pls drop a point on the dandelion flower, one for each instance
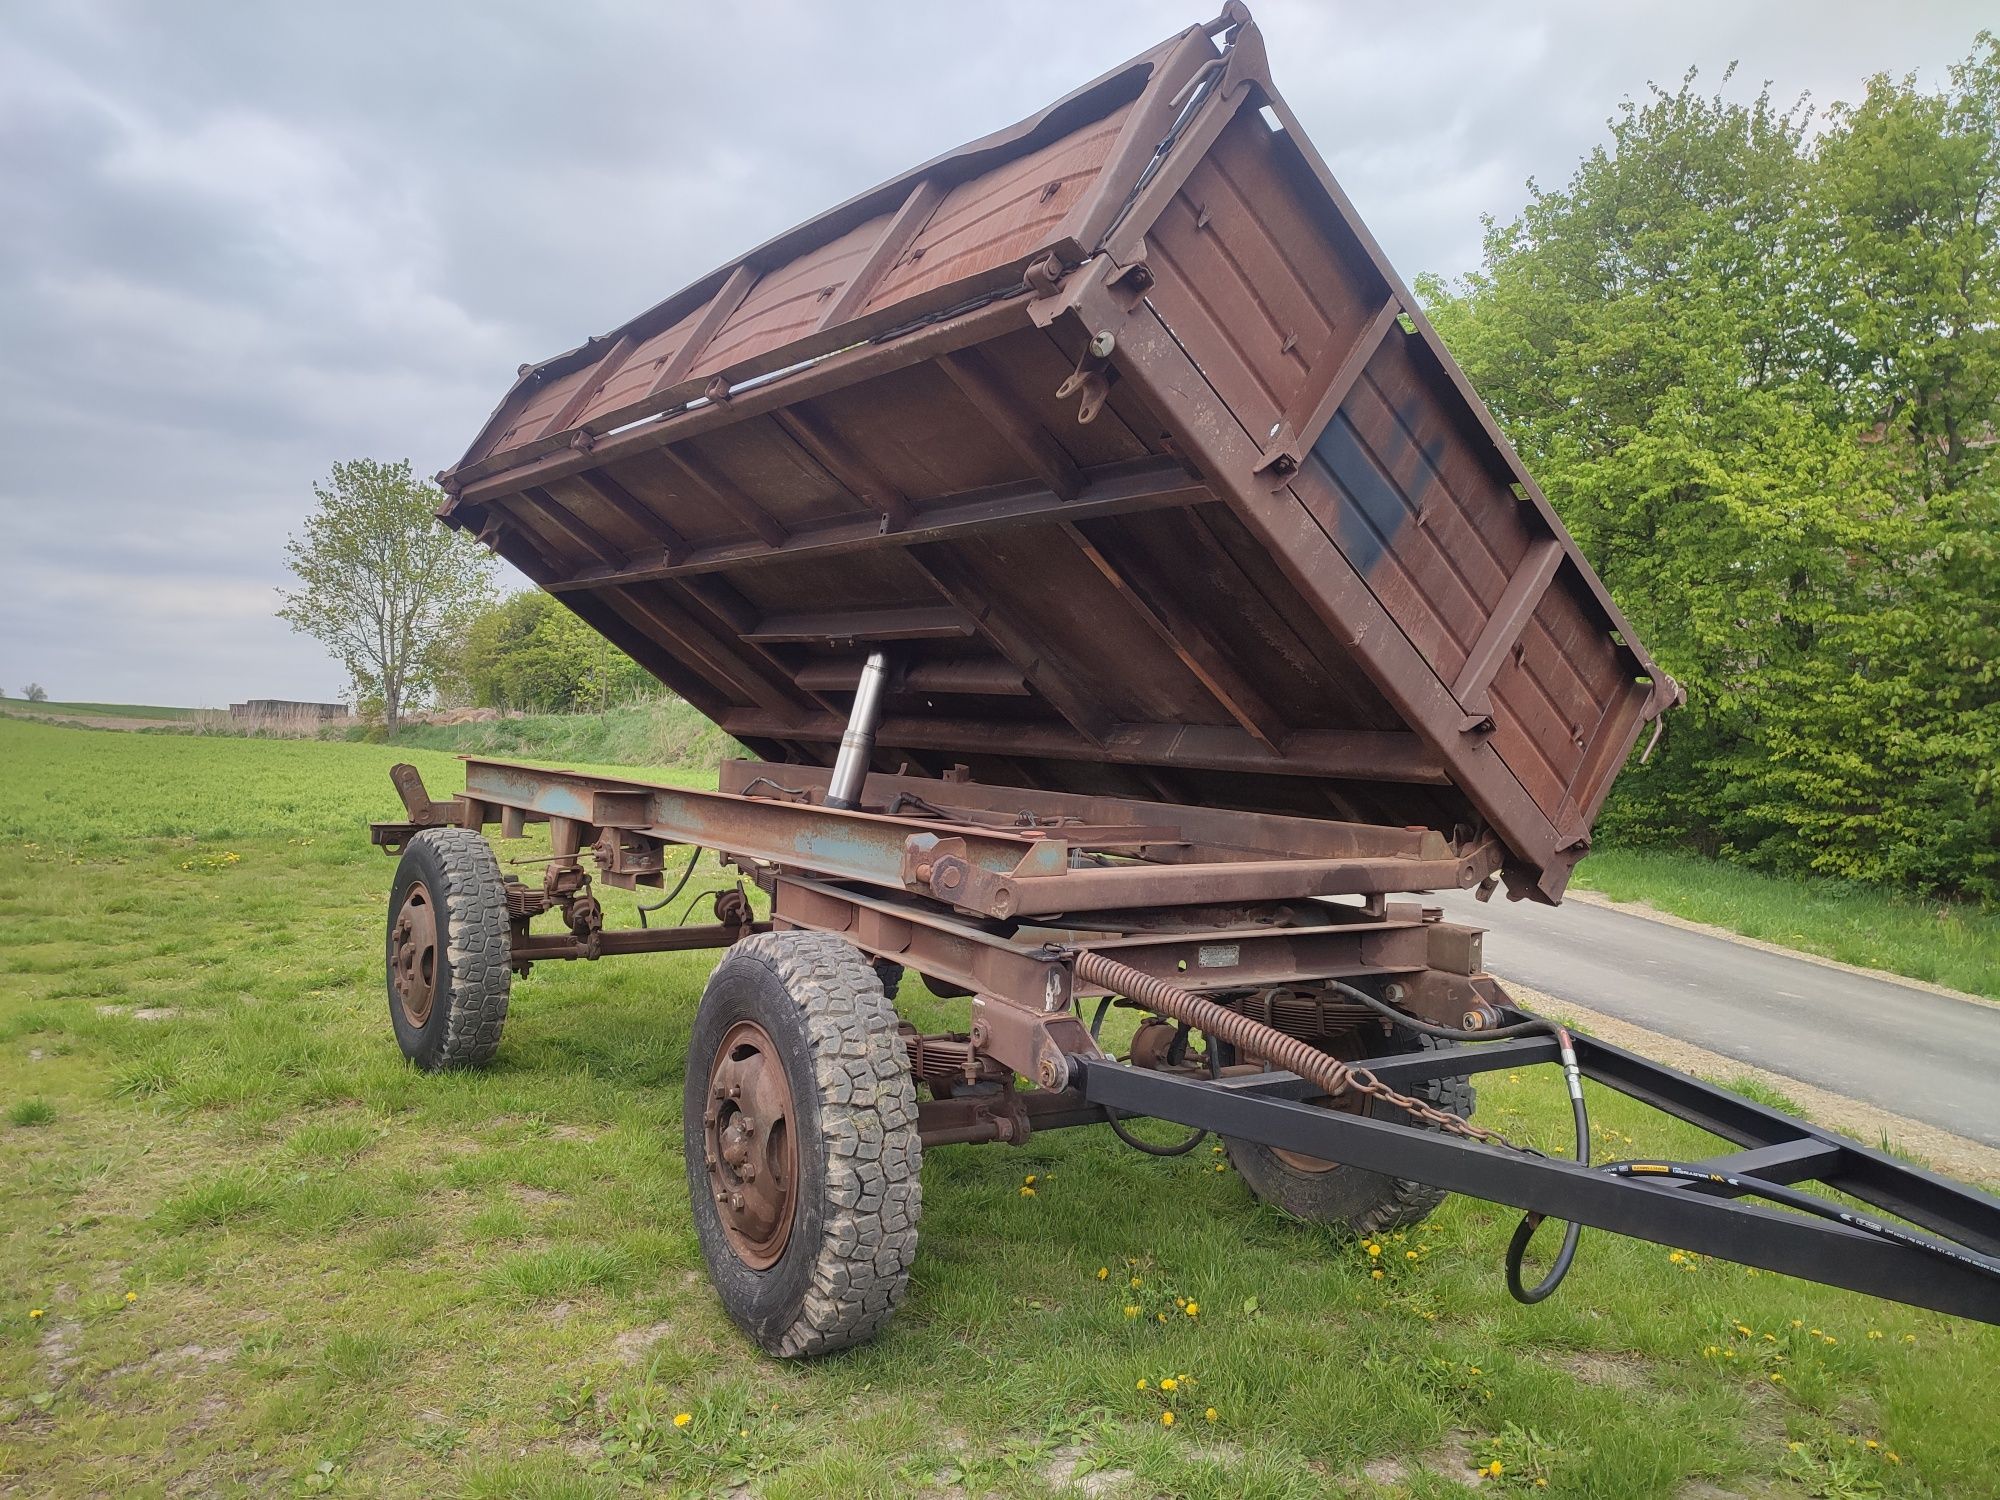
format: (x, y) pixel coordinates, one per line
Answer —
(1166, 1419)
(682, 1418)
(1874, 1333)
(34, 1313)
(1909, 1338)
(1377, 1275)
(1131, 1311)
(1798, 1323)
(1676, 1257)
(1374, 1249)
(1409, 1255)
(1871, 1443)
(1495, 1469)
(1102, 1272)
(1891, 1456)
(1194, 1309)
(1029, 1180)
(1027, 1192)
(1180, 1302)
(1170, 1384)
(1141, 1385)
(1210, 1414)
(1795, 1445)
(1222, 1166)
(1541, 1484)
(1137, 1283)
(1776, 1378)
(1162, 1317)
(131, 1296)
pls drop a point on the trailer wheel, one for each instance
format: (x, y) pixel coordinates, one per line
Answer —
(447, 950)
(1323, 1192)
(800, 1133)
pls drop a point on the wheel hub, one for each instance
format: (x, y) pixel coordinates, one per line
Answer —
(749, 1144)
(413, 964)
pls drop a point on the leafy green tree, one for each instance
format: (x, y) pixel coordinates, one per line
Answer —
(1756, 369)
(529, 652)
(381, 584)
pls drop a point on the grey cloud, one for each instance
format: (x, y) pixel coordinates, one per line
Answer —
(240, 243)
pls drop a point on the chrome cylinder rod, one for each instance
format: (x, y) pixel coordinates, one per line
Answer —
(857, 741)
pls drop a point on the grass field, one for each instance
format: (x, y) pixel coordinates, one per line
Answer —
(99, 710)
(245, 1250)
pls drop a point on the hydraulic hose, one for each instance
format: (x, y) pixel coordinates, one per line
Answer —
(1301, 1057)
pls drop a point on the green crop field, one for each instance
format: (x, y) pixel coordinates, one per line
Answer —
(245, 1250)
(98, 710)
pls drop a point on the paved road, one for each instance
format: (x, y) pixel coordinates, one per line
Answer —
(1905, 1049)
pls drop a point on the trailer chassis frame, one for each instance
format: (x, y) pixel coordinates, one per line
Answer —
(992, 893)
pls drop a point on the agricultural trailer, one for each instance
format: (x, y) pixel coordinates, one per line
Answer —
(1128, 604)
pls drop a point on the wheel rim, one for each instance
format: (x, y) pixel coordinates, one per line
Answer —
(413, 964)
(750, 1146)
(1349, 1103)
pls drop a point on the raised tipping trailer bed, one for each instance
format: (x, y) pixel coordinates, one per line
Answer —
(1127, 600)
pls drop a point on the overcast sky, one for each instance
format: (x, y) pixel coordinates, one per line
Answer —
(239, 242)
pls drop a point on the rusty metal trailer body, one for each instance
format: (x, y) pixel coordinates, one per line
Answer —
(1121, 429)
(1127, 597)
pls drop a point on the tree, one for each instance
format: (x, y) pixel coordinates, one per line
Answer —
(529, 652)
(382, 585)
(35, 693)
(1756, 367)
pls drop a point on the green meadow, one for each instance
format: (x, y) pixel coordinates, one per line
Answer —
(246, 1250)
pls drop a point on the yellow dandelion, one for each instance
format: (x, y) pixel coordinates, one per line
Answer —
(1029, 1180)
(1676, 1257)
(1170, 1384)
(682, 1418)
(1795, 1445)
(1166, 1419)
(1831, 1339)
(1776, 1378)
(1541, 1484)
(1162, 1317)
(1798, 1323)
(1409, 1255)
(1495, 1469)
(34, 1313)
(1815, 1333)
(1027, 1192)
(1709, 1352)
(1222, 1166)
(1909, 1338)
(1131, 1311)
(131, 1296)
(1377, 1275)
(1137, 1283)
(1194, 1309)
(1140, 1386)
(1874, 1333)
(1210, 1414)
(1180, 1302)
(1770, 1338)
(1892, 1456)
(1102, 1272)
(1744, 1329)
(1374, 1249)
(1473, 1368)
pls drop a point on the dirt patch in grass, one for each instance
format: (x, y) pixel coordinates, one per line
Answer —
(1625, 1372)
(635, 1344)
(1061, 1472)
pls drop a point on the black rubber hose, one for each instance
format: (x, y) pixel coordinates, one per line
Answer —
(1114, 1119)
(679, 886)
(1524, 1232)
